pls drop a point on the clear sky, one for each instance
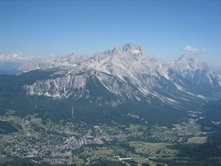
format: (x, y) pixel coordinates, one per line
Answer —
(162, 27)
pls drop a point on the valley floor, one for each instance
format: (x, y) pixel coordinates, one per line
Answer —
(33, 140)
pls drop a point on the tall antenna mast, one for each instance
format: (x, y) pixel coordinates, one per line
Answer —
(72, 112)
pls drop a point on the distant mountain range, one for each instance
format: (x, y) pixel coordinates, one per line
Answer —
(124, 74)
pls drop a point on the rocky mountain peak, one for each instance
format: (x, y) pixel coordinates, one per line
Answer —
(129, 48)
(190, 57)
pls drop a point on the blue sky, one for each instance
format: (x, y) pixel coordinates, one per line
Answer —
(162, 27)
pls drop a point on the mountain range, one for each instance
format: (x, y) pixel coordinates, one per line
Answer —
(125, 74)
